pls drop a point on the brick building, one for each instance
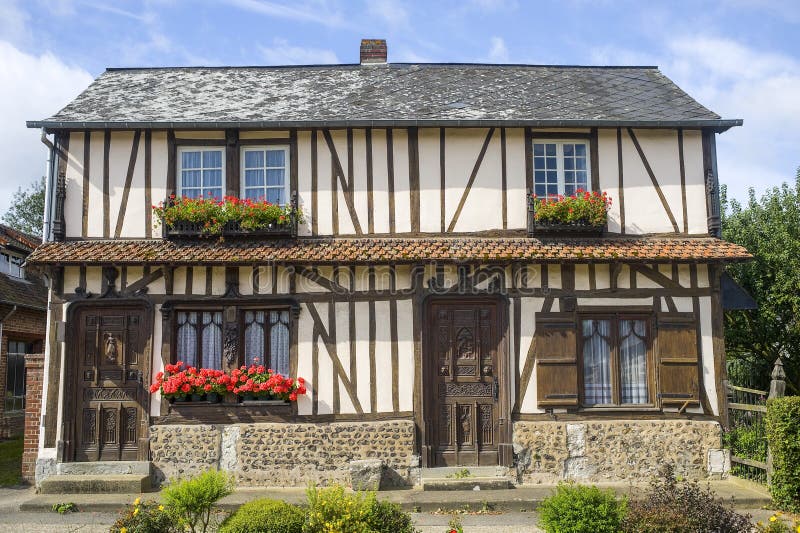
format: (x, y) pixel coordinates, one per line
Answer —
(23, 313)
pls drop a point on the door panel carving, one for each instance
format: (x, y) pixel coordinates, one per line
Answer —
(461, 392)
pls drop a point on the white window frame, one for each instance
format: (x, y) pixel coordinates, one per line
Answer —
(286, 166)
(7, 265)
(560, 176)
(179, 163)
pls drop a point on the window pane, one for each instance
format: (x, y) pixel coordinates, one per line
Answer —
(581, 179)
(254, 338)
(213, 193)
(212, 340)
(539, 190)
(552, 176)
(596, 362)
(551, 163)
(538, 149)
(580, 150)
(212, 159)
(538, 163)
(279, 341)
(580, 163)
(538, 176)
(253, 178)
(276, 158)
(550, 149)
(569, 190)
(253, 159)
(190, 193)
(275, 195)
(633, 361)
(568, 150)
(190, 160)
(187, 338)
(254, 194)
(212, 178)
(190, 178)
(552, 189)
(569, 163)
(275, 177)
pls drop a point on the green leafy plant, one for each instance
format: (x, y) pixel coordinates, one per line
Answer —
(213, 214)
(464, 473)
(578, 508)
(583, 208)
(191, 500)
(145, 517)
(386, 517)
(332, 509)
(455, 525)
(273, 516)
(671, 506)
(783, 436)
(777, 523)
(64, 508)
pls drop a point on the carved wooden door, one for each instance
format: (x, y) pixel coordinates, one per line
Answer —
(110, 352)
(463, 387)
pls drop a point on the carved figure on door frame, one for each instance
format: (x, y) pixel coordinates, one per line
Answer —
(111, 348)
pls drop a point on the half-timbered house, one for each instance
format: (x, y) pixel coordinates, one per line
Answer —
(434, 323)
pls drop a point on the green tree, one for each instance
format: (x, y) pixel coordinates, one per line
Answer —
(27, 209)
(770, 230)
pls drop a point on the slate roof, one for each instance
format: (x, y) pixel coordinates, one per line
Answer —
(389, 250)
(31, 291)
(396, 94)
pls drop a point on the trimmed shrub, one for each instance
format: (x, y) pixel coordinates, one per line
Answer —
(579, 509)
(332, 509)
(672, 507)
(191, 500)
(265, 516)
(783, 436)
(386, 517)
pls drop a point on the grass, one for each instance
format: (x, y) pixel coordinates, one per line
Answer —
(11, 462)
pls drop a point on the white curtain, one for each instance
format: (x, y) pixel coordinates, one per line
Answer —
(254, 338)
(212, 340)
(279, 341)
(187, 338)
(633, 361)
(597, 362)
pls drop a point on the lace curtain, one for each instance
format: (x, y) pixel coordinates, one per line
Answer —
(210, 326)
(597, 361)
(257, 329)
(633, 361)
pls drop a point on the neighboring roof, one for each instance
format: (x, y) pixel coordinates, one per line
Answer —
(389, 250)
(396, 94)
(30, 292)
(24, 242)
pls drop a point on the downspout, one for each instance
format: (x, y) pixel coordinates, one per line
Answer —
(49, 189)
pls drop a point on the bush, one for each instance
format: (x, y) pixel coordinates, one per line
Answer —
(265, 516)
(672, 507)
(332, 509)
(783, 436)
(580, 509)
(191, 500)
(145, 517)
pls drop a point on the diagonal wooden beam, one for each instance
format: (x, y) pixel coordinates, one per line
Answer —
(655, 275)
(123, 206)
(346, 187)
(322, 281)
(330, 346)
(654, 180)
(472, 177)
(146, 280)
(527, 372)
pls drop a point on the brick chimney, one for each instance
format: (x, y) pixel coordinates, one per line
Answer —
(373, 51)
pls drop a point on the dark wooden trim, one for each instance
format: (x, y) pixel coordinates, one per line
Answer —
(373, 369)
(547, 305)
(528, 161)
(169, 280)
(711, 181)
(81, 279)
(87, 145)
(123, 279)
(315, 370)
(293, 163)
(594, 155)
(395, 356)
(620, 182)
(272, 141)
(718, 342)
(232, 156)
(334, 200)
(702, 394)
(503, 178)
(172, 167)
(555, 135)
(615, 413)
(314, 172)
(390, 177)
(370, 182)
(189, 280)
(209, 281)
(350, 165)
(442, 177)
(312, 274)
(653, 274)
(252, 413)
(592, 277)
(180, 141)
(146, 279)
(148, 184)
(123, 205)
(517, 310)
(682, 163)
(337, 400)
(413, 177)
(106, 184)
(671, 304)
(527, 372)
(471, 181)
(53, 377)
(347, 188)
(654, 180)
(351, 337)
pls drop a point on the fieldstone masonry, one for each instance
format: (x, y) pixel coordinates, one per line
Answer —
(614, 450)
(284, 454)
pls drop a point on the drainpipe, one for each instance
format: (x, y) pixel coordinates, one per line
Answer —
(49, 188)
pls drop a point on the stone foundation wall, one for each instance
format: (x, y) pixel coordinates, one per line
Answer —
(282, 454)
(613, 450)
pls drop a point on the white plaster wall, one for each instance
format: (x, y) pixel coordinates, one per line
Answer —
(158, 364)
(73, 205)
(158, 174)
(362, 355)
(517, 204)
(383, 357)
(644, 212)
(483, 205)
(709, 378)
(380, 180)
(304, 179)
(695, 182)
(528, 309)
(96, 156)
(430, 180)
(608, 168)
(405, 354)
(305, 337)
(402, 191)
(342, 321)
(135, 218)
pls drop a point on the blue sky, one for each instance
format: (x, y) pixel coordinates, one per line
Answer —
(741, 58)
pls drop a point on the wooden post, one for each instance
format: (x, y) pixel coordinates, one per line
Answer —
(777, 389)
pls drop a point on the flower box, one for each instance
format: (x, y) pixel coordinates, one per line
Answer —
(583, 214)
(186, 229)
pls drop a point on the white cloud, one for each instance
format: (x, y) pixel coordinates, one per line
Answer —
(283, 53)
(34, 87)
(498, 53)
(315, 11)
(13, 22)
(391, 11)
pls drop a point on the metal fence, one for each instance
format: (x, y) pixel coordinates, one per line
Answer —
(746, 435)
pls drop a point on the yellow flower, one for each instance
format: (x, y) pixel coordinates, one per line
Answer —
(123, 530)
(135, 511)
(137, 501)
(773, 518)
(160, 507)
(798, 529)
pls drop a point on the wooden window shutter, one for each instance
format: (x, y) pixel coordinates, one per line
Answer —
(678, 365)
(556, 349)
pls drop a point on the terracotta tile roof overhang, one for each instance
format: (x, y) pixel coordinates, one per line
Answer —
(367, 251)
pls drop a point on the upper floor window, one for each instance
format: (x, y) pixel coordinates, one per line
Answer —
(560, 167)
(615, 361)
(266, 173)
(201, 172)
(11, 264)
